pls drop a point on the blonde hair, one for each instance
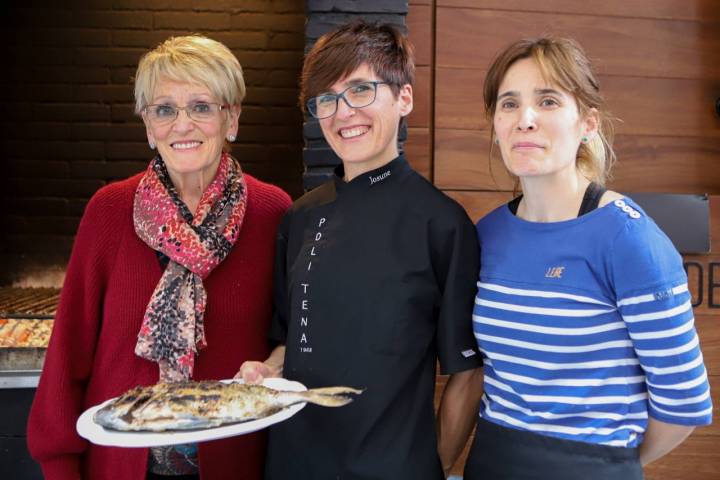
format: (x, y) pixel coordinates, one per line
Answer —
(562, 62)
(192, 59)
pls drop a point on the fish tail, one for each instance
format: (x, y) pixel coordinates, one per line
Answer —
(328, 397)
(324, 400)
(336, 390)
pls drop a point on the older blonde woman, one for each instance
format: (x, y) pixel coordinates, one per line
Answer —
(170, 276)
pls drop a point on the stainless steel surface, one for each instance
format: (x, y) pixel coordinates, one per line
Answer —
(19, 379)
(21, 359)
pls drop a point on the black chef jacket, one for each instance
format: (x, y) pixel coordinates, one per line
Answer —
(375, 281)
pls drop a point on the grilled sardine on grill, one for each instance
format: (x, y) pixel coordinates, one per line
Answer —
(196, 405)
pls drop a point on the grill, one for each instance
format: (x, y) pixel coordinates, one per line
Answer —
(26, 318)
(35, 303)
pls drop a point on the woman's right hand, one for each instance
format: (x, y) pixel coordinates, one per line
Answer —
(254, 372)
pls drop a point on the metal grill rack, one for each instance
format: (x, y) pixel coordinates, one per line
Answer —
(20, 367)
(36, 303)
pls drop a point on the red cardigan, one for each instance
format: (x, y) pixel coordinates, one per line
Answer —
(109, 281)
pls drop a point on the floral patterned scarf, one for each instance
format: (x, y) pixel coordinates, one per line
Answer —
(172, 330)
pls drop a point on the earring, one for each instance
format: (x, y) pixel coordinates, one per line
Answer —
(151, 145)
(231, 138)
(584, 139)
(497, 141)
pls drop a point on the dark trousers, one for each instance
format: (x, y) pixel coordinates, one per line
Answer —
(500, 453)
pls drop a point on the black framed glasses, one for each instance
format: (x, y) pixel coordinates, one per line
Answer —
(355, 96)
(163, 113)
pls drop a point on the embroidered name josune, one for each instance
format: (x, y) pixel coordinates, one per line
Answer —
(379, 178)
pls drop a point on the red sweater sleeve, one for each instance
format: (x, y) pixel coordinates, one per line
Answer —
(59, 400)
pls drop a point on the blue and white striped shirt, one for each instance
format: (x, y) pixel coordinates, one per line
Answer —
(586, 327)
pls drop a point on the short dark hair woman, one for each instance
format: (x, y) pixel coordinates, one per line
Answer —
(377, 273)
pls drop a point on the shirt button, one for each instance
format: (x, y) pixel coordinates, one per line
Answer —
(635, 214)
(619, 203)
(627, 209)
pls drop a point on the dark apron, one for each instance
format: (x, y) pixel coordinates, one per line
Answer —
(500, 453)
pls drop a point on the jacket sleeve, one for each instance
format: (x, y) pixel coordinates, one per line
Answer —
(456, 263)
(59, 400)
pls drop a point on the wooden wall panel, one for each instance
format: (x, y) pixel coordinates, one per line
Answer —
(419, 22)
(663, 106)
(419, 144)
(667, 164)
(696, 459)
(418, 149)
(421, 115)
(709, 333)
(650, 48)
(459, 99)
(697, 10)
(479, 204)
(645, 163)
(647, 106)
(462, 163)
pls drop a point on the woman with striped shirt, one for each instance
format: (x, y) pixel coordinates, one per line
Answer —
(583, 315)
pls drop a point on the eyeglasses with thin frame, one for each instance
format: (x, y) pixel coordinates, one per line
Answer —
(164, 113)
(355, 96)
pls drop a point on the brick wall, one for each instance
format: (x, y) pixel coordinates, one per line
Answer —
(67, 88)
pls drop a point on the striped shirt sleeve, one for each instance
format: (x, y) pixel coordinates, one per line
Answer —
(653, 299)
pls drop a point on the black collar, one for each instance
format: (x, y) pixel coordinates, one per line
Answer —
(368, 180)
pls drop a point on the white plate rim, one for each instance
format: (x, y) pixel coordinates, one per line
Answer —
(88, 429)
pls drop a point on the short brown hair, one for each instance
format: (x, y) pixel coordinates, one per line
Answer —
(563, 62)
(340, 52)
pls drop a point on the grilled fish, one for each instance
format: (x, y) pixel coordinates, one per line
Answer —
(196, 405)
